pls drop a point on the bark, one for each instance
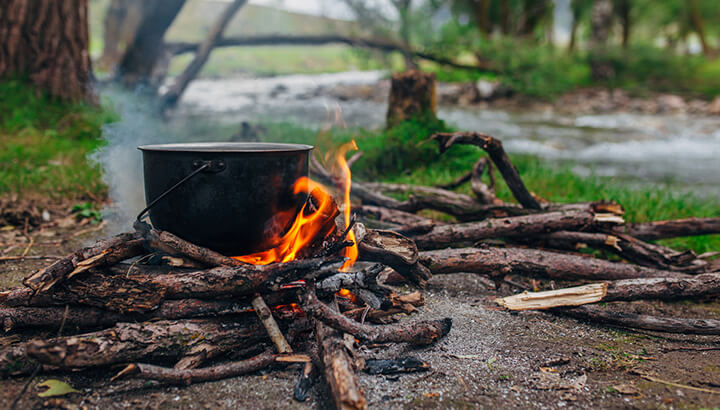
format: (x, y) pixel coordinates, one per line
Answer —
(645, 322)
(338, 369)
(130, 342)
(141, 57)
(189, 376)
(623, 8)
(14, 361)
(497, 154)
(271, 326)
(417, 333)
(701, 286)
(46, 42)
(392, 216)
(627, 247)
(498, 262)
(175, 92)
(600, 26)
(111, 250)
(377, 44)
(522, 226)
(651, 231)
(483, 193)
(412, 95)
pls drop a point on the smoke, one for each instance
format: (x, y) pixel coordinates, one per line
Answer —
(120, 159)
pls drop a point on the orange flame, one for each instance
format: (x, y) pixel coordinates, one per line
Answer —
(350, 252)
(304, 229)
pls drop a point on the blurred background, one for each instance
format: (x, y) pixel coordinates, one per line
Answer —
(594, 98)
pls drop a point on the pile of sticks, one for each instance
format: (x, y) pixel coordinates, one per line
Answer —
(535, 243)
(166, 309)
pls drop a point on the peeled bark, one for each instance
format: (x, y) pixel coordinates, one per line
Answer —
(46, 41)
(534, 263)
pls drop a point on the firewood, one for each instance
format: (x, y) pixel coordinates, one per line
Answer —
(645, 322)
(362, 283)
(338, 369)
(535, 263)
(651, 231)
(392, 216)
(395, 251)
(627, 247)
(417, 333)
(189, 376)
(130, 342)
(172, 244)
(14, 361)
(483, 193)
(444, 235)
(115, 249)
(700, 286)
(271, 326)
(497, 154)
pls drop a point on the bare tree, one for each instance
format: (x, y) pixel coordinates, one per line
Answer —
(47, 42)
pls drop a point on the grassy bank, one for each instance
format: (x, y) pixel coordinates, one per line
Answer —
(44, 143)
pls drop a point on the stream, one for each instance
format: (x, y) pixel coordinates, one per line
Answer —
(635, 148)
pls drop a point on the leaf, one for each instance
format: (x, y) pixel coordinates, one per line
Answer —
(56, 388)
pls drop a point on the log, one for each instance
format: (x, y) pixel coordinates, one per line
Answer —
(115, 249)
(444, 235)
(271, 326)
(338, 369)
(417, 333)
(392, 216)
(130, 342)
(497, 154)
(627, 247)
(15, 362)
(498, 262)
(396, 251)
(189, 376)
(645, 322)
(652, 231)
(174, 245)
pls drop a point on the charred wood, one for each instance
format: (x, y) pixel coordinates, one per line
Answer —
(396, 251)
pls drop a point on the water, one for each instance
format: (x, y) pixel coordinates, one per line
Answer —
(638, 148)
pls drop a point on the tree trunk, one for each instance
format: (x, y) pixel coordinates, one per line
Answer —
(698, 25)
(505, 16)
(481, 13)
(47, 42)
(623, 12)
(173, 95)
(533, 13)
(141, 56)
(601, 23)
(121, 23)
(412, 94)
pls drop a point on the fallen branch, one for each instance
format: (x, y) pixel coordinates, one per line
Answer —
(497, 154)
(271, 326)
(417, 333)
(651, 231)
(498, 262)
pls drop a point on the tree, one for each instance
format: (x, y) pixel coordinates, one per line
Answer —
(120, 25)
(46, 41)
(622, 9)
(697, 24)
(148, 47)
(600, 25)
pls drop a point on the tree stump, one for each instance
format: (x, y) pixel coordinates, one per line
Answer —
(412, 94)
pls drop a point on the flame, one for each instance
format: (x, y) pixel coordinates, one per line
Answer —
(305, 228)
(351, 252)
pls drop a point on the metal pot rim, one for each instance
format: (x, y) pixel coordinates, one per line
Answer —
(248, 147)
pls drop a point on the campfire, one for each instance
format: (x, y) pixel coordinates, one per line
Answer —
(164, 307)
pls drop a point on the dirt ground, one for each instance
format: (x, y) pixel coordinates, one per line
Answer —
(491, 358)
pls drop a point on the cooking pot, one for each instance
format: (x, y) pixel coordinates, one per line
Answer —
(235, 198)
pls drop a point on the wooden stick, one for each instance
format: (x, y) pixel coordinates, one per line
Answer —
(497, 154)
(646, 322)
(444, 235)
(651, 231)
(115, 249)
(498, 262)
(271, 326)
(189, 376)
(338, 369)
(417, 333)
(396, 251)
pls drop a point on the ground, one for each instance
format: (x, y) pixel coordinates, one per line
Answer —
(491, 358)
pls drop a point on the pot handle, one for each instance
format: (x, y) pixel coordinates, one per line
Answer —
(209, 166)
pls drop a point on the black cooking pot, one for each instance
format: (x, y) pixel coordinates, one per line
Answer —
(230, 197)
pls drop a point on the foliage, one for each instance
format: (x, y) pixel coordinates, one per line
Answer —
(86, 210)
(43, 144)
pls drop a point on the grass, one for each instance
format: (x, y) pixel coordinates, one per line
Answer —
(44, 143)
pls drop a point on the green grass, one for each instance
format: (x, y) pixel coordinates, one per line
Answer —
(43, 145)
(552, 181)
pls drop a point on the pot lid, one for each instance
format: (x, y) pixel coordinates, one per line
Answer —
(256, 147)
